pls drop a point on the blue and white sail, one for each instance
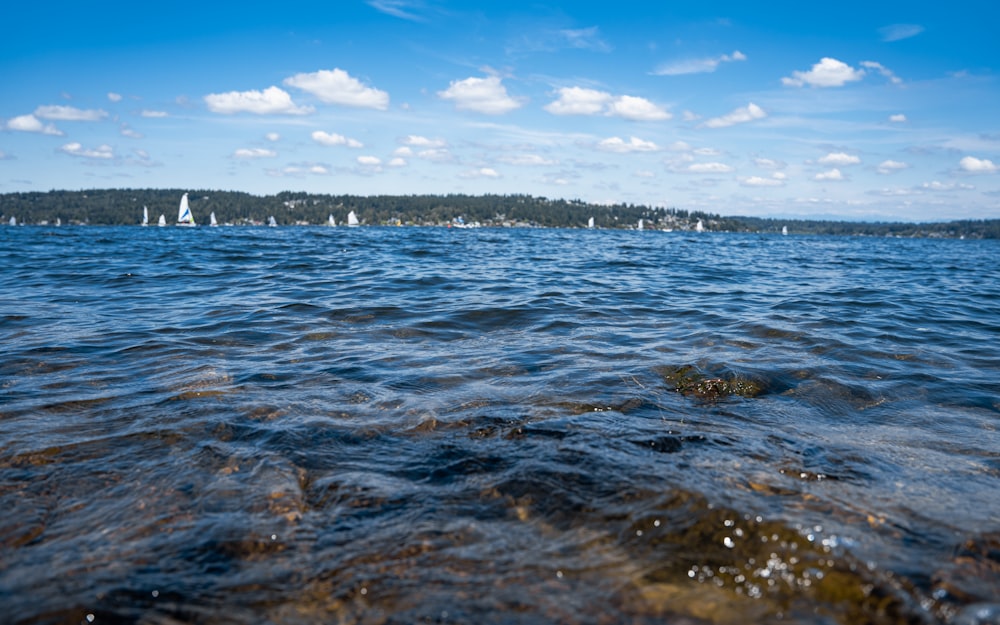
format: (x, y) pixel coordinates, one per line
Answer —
(184, 217)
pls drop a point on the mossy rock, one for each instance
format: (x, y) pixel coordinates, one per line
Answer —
(691, 381)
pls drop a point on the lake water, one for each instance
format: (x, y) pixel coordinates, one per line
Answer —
(406, 425)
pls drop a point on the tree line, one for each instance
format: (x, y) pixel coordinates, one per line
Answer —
(125, 207)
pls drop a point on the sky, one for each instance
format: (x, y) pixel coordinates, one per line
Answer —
(860, 111)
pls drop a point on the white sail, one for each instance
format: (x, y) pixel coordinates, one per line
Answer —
(271, 222)
(13, 221)
(641, 227)
(700, 227)
(145, 216)
(184, 217)
(352, 219)
(162, 222)
(211, 219)
(590, 222)
(330, 221)
(784, 230)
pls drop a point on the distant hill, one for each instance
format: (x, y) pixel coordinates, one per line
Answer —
(124, 207)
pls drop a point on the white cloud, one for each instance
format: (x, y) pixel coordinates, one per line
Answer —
(758, 181)
(619, 145)
(579, 101)
(739, 116)
(272, 136)
(403, 151)
(153, 114)
(338, 87)
(975, 165)
(103, 152)
(271, 101)
(247, 153)
(298, 170)
(114, 97)
(332, 139)
(438, 155)
(397, 162)
(482, 172)
(422, 142)
(480, 95)
(768, 163)
(585, 39)
(637, 109)
(403, 9)
(30, 123)
(582, 101)
(69, 113)
(895, 32)
(827, 73)
(834, 175)
(890, 166)
(709, 168)
(840, 158)
(127, 131)
(528, 160)
(369, 161)
(697, 66)
(882, 69)
(941, 186)
(898, 118)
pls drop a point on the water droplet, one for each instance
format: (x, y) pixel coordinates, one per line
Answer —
(728, 542)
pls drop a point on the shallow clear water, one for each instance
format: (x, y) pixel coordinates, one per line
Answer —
(398, 425)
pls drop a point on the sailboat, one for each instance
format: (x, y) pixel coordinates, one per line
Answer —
(184, 217)
(162, 222)
(211, 220)
(271, 222)
(784, 230)
(330, 221)
(641, 227)
(590, 222)
(699, 227)
(145, 216)
(352, 219)
(13, 221)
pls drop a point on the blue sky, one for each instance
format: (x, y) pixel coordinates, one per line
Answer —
(874, 110)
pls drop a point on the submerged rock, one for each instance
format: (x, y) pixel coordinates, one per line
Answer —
(691, 381)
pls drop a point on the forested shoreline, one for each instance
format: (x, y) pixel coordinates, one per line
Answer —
(125, 207)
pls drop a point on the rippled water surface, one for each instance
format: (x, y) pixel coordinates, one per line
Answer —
(375, 425)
